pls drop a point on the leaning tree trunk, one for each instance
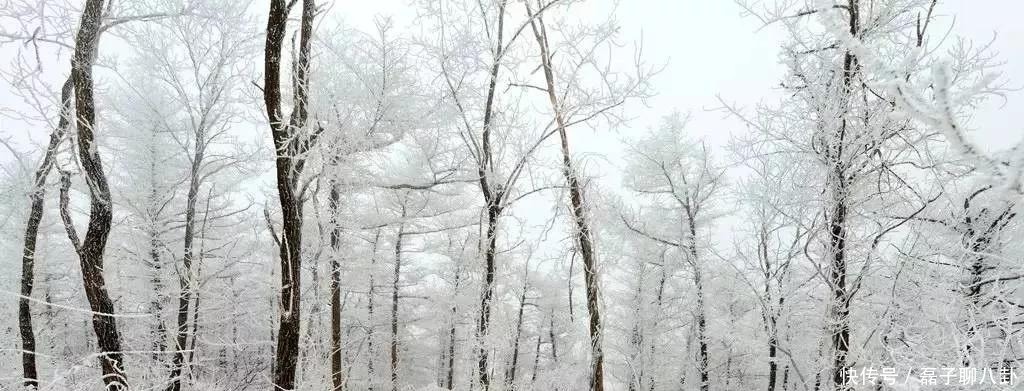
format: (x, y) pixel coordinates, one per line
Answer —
(584, 237)
(90, 250)
(35, 217)
(289, 146)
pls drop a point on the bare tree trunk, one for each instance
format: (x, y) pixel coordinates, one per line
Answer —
(485, 301)
(186, 277)
(569, 285)
(702, 339)
(839, 323)
(394, 304)
(154, 210)
(337, 376)
(190, 362)
(493, 199)
(510, 374)
(35, 217)
(636, 339)
(771, 313)
(449, 380)
(369, 318)
(156, 305)
(536, 364)
(980, 229)
(785, 378)
(583, 234)
(773, 343)
(289, 146)
(660, 301)
(90, 250)
(551, 337)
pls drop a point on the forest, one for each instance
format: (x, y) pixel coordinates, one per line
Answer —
(480, 195)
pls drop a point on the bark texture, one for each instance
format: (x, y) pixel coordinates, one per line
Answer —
(493, 200)
(187, 277)
(28, 258)
(839, 188)
(90, 250)
(585, 241)
(290, 144)
(337, 375)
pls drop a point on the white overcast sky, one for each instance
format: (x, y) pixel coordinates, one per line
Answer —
(709, 49)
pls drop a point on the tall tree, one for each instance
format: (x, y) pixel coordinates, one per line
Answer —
(853, 143)
(681, 178)
(585, 241)
(35, 217)
(90, 249)
(290, 145)
(498, 166)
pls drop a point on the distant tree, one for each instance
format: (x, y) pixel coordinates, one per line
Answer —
(681, 182)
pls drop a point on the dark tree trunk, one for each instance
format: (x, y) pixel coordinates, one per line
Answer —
(702, 339)
(577, 205)
(394, 304)
(337, 376)
(493, 200)
(785, 378)
(536, 364)
(771, 312)
(493, 211)
(289, 145)
(703, 359)
(636, 338)
(510, 374)
(156, 280)
(660, 301)
(190, 361)
(90, 251)
(35, 217)
(370, 354)
(449, 379)
(979, 237)
(840, 312)
(772, 356)
(186, 278)
(551, 336)
(839, 324)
